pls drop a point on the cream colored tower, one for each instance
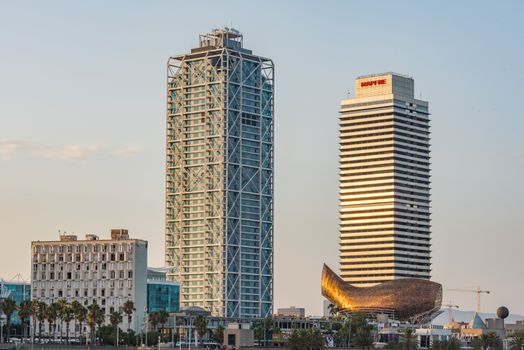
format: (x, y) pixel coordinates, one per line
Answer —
(384, 182)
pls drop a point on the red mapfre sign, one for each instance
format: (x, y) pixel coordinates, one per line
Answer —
(373, 82)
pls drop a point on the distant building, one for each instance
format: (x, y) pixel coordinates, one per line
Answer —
(238, 335)
(18, 291)
(516, 327)
(92, 271)
(162, 295)
(384, 182)
(156, 273)
(326, 312)
(292, 311)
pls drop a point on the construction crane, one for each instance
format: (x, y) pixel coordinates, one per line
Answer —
(450, 307)
(478, 291)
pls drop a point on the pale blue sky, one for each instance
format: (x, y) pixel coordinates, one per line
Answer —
(82, 104)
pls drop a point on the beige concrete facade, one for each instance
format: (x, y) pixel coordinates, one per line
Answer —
(92, 271)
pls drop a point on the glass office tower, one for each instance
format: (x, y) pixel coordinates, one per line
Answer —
(384, 182)
(219, 177)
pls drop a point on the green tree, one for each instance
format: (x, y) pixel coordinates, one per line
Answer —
(95, 317)
(476, 344)
(310, 339)
(39, 311)
(24, 312)
(408, 339)
(201, 327)
(334, 311)
(152, 319)
(67, 315)
(363, 338)
(61, 310)
(218, 335)
(8, 306)
(51, 316)
(267, 328)
(75, 308)
(516, 340)
(162, 318)
(453, 344)
(489, 341)
(115, 318)
(484, 341)
(128, 308)
(393, 346)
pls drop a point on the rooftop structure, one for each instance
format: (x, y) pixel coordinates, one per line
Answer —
(291, 311)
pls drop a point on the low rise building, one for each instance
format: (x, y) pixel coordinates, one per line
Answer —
(292, 311)
(19, 291)
(238, 335)
(106, 272)
(162, 295)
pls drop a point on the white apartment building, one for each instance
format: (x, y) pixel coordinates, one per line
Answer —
(106, 272)
(384, 182)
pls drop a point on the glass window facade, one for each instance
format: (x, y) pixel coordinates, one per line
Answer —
(163, 296)
(18, 292)
(219, 183)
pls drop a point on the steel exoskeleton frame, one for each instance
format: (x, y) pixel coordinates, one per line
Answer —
(219, 181)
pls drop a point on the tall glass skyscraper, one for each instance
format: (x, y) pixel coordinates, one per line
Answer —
(384, 182)
(219, 177)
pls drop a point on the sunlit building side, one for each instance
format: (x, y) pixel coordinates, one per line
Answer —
(384, 182)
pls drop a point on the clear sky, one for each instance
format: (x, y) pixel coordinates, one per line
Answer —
(82, 118)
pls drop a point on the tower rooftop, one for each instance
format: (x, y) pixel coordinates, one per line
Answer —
(222, 37)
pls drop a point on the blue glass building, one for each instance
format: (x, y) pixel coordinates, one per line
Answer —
(18, 291)
(219, 177)
(163, 296)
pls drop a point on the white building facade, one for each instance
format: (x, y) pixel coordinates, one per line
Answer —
(92, 271)
(384, 182)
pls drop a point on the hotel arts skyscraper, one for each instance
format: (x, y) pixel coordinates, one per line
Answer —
(219, 177)
(384, 182)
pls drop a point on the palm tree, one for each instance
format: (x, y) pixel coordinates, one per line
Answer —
(95, 316)
(75, 308)
(218, 334)
(81, 317)
(34, 312)
(408, 339)
(516, 340)
(128, 309)
(334, 311)
(453, 344)
(152, 319)
(8, 306)
(363, 337)
(41, 313)
(267, 325)
(51, 315)
(489, 340)
(439, 345)
(201, 326)
(115, 318)
(24, 312)
(162, 317)
(67, 316)
(61, 309)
